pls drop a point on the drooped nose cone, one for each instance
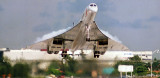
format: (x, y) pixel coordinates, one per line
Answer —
(93, 7)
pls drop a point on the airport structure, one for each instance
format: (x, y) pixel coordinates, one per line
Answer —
(38, 55)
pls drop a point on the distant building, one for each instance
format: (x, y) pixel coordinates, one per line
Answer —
(1, 52)
(144, 55)
(4, 49)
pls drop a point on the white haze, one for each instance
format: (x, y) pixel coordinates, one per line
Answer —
(52, 34)
(55, 33)
(110, 36)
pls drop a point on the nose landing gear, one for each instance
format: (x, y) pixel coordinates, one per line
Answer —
(88, 29)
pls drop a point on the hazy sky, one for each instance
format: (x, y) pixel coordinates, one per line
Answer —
(135, 22)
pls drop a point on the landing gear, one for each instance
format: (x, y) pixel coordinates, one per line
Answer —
(87, 39)
(56, 52)
(87, 33)
(64, 54)
(49, 52)
(64, 51)
(96, 54)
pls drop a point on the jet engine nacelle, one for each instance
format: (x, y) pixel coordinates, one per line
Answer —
(55, 46)
(101, 47)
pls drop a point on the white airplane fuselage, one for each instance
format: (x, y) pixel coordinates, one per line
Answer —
(83, 33)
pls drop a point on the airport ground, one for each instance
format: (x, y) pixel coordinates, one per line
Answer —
(68, 67)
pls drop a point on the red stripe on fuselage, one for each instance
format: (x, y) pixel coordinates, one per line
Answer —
(86, 12)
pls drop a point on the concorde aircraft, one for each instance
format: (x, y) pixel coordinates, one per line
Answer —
(83, 36)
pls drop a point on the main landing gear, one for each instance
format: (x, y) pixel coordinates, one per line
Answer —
(64, 54)
(87, 39)
(96, 54)
(64, 50)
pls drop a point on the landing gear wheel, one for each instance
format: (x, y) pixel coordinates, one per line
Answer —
(64, 54)
(96, 54)
(56, 52)
(87, 39)
(49, 52)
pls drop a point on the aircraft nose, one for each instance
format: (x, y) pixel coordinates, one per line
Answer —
(93, 7)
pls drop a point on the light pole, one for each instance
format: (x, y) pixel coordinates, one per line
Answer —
(156, 51)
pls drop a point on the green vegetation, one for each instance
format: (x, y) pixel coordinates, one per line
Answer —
(156, 65)
(5, 67)
(59, 68)
(72, 67)
(18, 70)
(54, 68)
(140, 68)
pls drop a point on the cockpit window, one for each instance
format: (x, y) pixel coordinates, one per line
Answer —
(91, 5)
(94, 5)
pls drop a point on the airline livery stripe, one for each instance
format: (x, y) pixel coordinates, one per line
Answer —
(86, 12)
